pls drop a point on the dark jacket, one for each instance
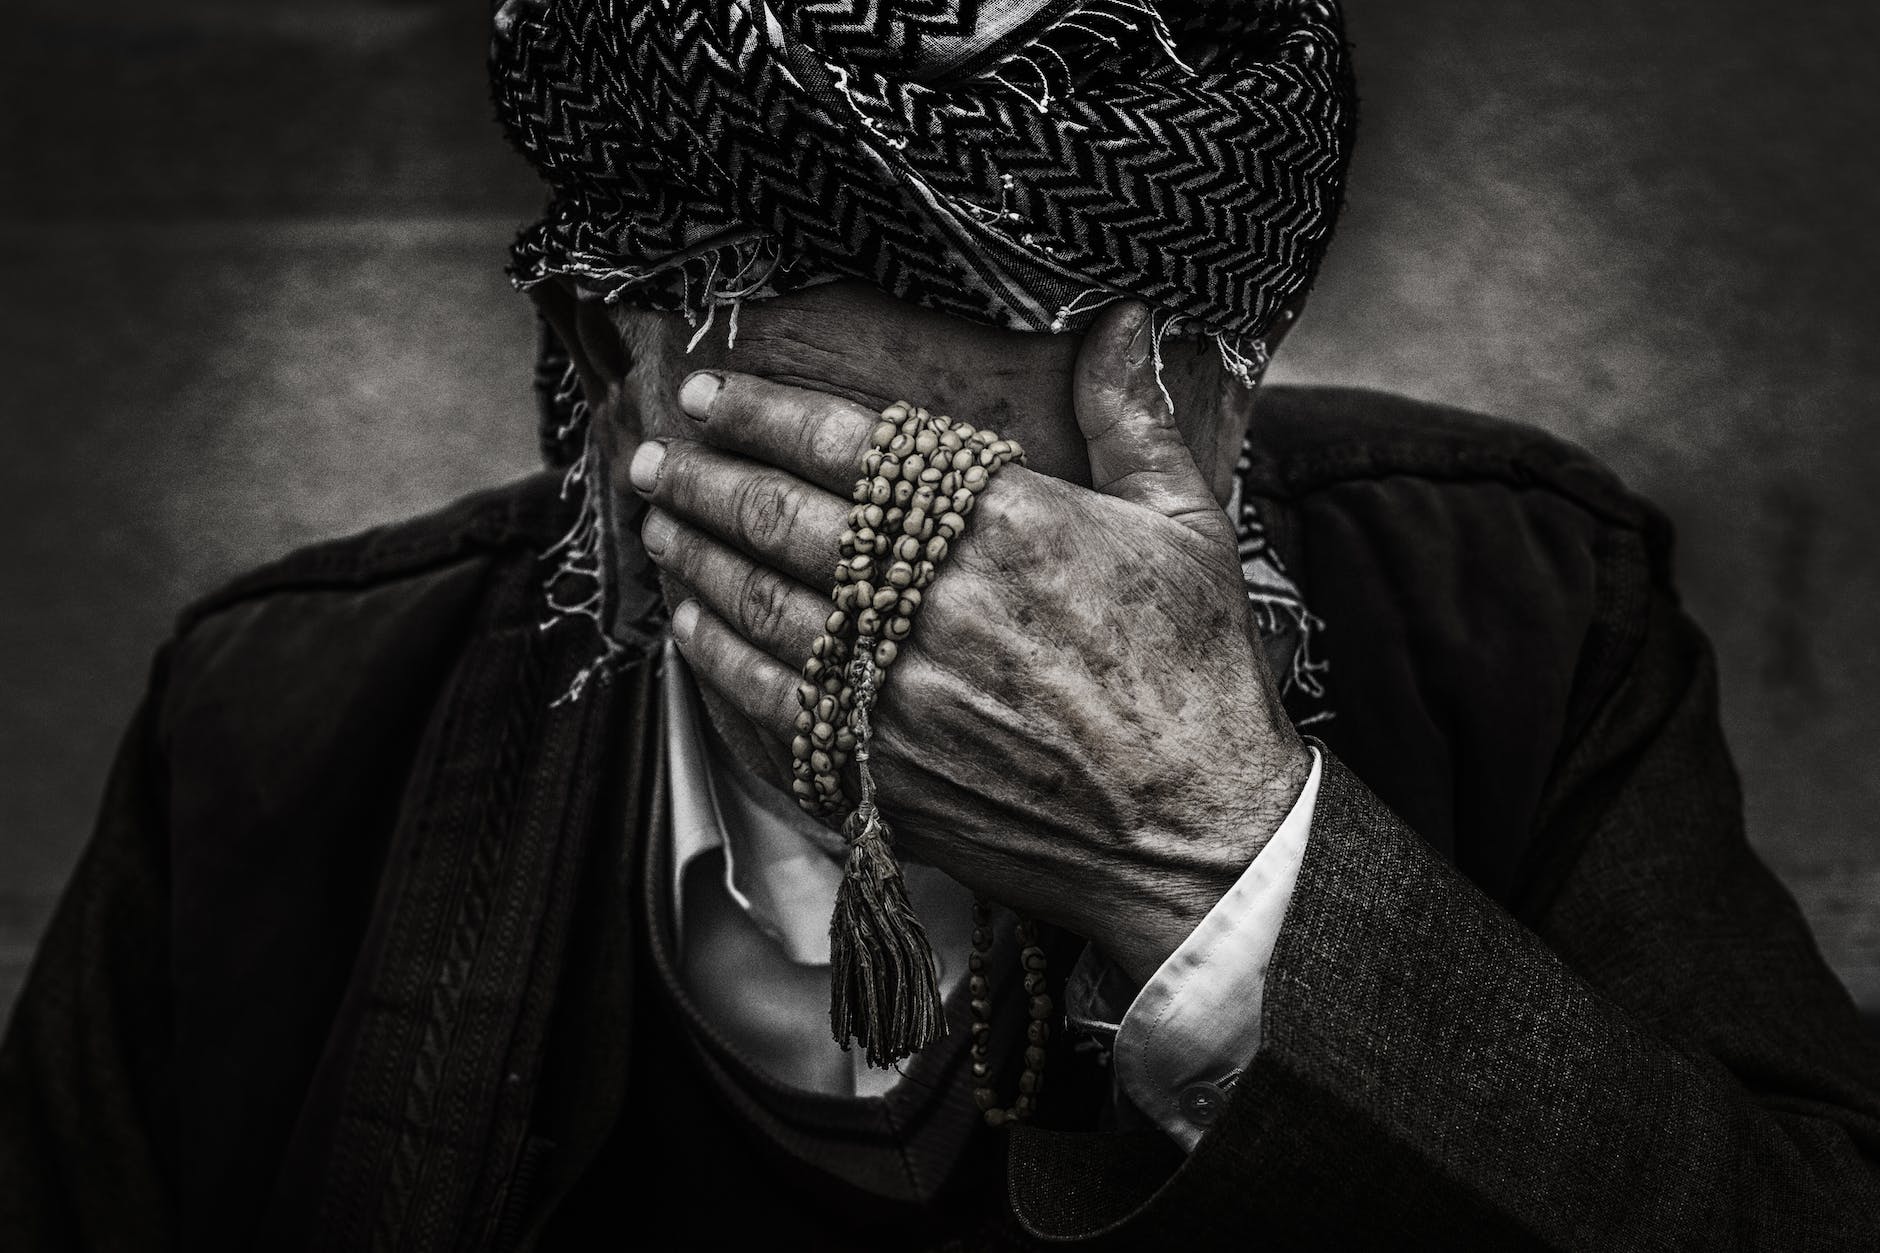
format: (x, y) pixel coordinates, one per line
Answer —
(1534, 988)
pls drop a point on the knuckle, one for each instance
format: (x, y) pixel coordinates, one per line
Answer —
(762, 607)
(1005, 525)
(678, 483)
(744, 685)
(1004, 504)
(735, 395)
(789, 511)
(680, 557)
(706, 647)
(732, 403)
(783, 705)
(702, 567)
(800, 418)
(742, 669)
(916, 686)
(765, 508)
(832, 442)
(991, 512)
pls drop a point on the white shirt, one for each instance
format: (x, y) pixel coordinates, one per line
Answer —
(1181, 1042)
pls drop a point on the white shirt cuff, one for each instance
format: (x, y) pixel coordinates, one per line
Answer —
(1196, 1024)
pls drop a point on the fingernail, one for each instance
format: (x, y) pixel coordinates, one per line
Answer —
(684, 618)
(643, 472)
(657, 532)
(696, 393)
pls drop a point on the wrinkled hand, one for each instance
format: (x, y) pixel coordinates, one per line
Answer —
(1082, 725)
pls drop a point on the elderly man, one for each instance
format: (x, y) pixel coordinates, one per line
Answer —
(468, 884)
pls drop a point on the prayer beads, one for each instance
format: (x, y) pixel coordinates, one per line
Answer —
(1031, 960)
(920, 476)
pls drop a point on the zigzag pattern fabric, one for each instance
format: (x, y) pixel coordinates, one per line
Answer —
(1014, 162)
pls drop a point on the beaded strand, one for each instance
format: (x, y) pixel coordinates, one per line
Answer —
(921, 476)
(1031, 960)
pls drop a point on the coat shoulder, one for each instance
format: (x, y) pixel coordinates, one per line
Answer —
(350, 621)
(1484, 587)
(340, 646)
(1317, 439)
(528, 514)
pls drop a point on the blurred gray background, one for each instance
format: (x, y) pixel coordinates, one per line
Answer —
(253, 297)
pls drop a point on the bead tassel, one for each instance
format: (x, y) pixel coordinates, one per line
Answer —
(920, 478)
(884, 983)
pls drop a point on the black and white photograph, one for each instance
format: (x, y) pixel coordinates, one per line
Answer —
(939, 626)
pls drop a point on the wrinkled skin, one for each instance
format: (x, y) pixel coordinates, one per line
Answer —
(1082, 725)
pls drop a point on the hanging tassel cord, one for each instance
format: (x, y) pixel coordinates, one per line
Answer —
(885, 993)
(920, 477)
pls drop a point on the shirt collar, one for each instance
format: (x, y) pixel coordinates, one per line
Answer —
(774, 867)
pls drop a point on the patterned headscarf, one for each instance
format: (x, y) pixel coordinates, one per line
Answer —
(1018, 163)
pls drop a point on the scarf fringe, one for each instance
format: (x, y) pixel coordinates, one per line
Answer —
(578, 587)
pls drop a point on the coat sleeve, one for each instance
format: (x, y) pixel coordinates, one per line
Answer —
(84, 1113)
(1661, 1060)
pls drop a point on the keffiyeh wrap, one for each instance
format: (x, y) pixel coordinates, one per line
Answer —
(1018, 163)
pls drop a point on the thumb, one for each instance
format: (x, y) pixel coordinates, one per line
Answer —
(1136, 451)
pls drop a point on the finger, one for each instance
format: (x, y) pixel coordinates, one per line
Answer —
(1136, 451)
(769, 514)
(771, 610)
(759, 686)
(815, 436)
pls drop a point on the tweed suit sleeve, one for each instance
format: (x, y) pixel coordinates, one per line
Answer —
(84, 1123)
(1661, 1060)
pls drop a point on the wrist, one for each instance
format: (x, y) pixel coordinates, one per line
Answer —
(1164, 902)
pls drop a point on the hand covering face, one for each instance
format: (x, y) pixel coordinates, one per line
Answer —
(1019, 163)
